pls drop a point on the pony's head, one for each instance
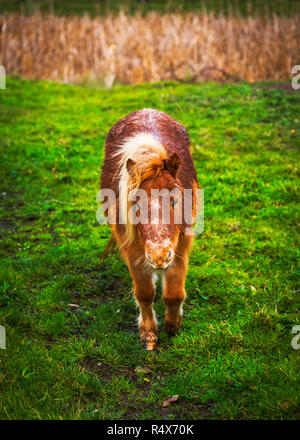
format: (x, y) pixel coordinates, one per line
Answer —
(157, 202)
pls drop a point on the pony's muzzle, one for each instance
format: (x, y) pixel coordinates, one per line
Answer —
(159, 258)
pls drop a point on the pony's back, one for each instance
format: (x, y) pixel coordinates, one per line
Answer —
(134, 132)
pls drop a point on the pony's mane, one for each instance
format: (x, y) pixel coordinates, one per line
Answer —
(148, 156)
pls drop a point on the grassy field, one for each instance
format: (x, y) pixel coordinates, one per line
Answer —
(233, 356)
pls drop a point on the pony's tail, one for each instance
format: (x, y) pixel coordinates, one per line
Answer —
(109, 248)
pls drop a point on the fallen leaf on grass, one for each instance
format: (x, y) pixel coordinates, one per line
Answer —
(140, 369)
(169, 400)
(74, 306)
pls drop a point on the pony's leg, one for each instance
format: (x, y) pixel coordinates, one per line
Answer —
(174, 295)
(144, 292)
(174, 292)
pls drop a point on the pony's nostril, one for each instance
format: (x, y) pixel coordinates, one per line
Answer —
(168, 256)
(149, 258)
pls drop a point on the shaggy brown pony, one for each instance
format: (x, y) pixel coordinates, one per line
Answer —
(149, 150)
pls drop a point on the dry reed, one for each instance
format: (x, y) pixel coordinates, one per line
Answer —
(135, 49)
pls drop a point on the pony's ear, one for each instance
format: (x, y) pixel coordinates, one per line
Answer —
(172, 164)
(129, 166)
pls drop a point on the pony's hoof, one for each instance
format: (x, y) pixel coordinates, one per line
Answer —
(148, 337)
(149, 346)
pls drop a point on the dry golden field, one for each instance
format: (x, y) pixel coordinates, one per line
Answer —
(135, 49)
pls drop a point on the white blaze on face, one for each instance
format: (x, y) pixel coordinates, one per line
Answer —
(166, 243)
(155, 210)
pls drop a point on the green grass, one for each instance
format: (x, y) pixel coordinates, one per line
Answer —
(233, 356)
(96, 7)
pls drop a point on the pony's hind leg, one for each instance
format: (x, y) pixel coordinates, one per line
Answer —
(144, 292)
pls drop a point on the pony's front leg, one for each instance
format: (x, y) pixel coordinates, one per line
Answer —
(174, 295)
(173, 282)
(144, 292)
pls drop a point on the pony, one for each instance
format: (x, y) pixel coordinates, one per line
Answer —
(148, 150)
